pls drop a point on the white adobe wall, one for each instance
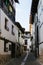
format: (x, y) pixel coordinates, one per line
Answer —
(7, 34)
(28, 44)
(40, 18)
(33, 32)
(41, 49)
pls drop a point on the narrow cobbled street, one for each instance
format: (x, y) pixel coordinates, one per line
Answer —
(21, 32)
(26, 59)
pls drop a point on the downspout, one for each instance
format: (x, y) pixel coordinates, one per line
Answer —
(38, 34)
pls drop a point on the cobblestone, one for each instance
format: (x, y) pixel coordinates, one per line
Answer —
(31, 60)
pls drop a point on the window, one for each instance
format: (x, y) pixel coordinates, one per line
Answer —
(5, 46)
(25, 42)
(13, 30)
(6, 27)
(10, 47)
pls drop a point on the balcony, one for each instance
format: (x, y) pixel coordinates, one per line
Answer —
(6, 9)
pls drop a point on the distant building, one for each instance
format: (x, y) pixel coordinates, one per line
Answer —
(26, 40)
(20, 41)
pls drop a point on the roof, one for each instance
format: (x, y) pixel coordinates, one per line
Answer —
(34, 8)
(20, 27)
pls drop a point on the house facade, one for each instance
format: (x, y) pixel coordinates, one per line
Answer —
(34, 22)
(11, 32)
(37, 30)
(40, 20)
(8, 36)
(20, 38)
(11, 40)
(27, 43)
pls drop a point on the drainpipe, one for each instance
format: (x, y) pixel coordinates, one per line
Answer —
(38, 34)
(37, 38)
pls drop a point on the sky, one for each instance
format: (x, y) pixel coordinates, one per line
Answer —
(23, 13)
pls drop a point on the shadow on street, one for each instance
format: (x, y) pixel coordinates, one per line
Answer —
(31, 60)
(26, 59)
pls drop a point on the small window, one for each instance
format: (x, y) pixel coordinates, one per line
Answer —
(25, 42)
(5, 47)
(6, 27)
(13, 30)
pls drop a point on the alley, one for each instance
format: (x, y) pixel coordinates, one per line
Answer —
(26, 59)
(21, 32)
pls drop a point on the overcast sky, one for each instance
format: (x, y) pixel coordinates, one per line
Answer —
(23, 13)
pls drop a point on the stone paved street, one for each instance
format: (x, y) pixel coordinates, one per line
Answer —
(16, 61)
(31, 60)
(27, 59)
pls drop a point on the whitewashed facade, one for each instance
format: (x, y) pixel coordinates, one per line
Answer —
(7, 34)
(20, 38)
(40, 19)
(27, 42)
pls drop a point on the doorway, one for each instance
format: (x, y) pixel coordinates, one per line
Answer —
(13, 50)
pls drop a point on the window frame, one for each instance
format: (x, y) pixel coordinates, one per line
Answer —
(25, 42)
(13, 30)
(5, 48)
(6, 27)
